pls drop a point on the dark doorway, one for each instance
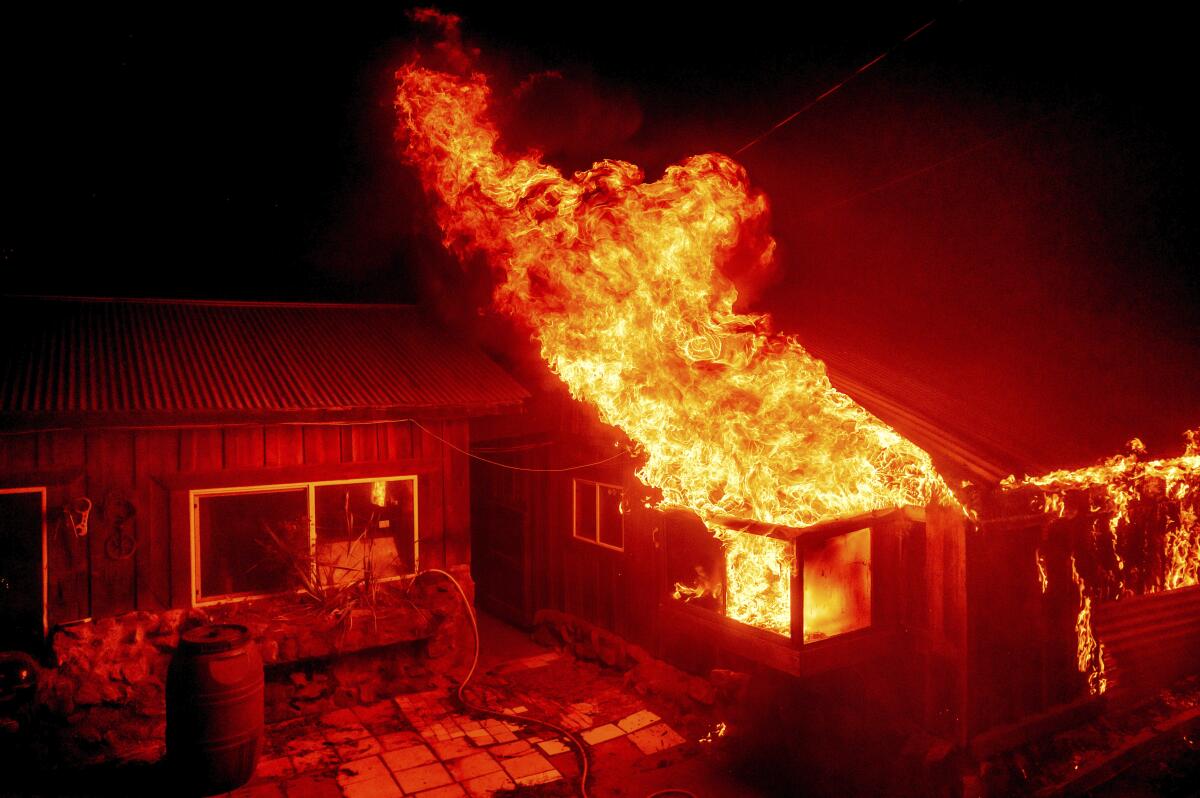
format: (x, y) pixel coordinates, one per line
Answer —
(21, 565)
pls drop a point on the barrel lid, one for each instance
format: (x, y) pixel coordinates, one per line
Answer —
(214, 638)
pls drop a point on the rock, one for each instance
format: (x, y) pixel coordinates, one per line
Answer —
(135, 670)
(89, 693)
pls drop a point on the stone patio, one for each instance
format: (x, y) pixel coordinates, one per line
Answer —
(423, 744)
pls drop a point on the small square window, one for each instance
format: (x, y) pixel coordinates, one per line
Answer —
(598, 514)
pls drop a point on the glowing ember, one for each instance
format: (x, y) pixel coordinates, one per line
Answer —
(622, 284)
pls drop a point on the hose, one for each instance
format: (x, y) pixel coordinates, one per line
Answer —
(570, 736)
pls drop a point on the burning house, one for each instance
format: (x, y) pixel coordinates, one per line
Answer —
(291, 545)
(801, 533)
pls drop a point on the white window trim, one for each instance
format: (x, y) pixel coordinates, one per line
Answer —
(310, 487)
(45, 561)
(575, 513)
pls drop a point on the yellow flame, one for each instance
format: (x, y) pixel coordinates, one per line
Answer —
(621, 282)
(1089, 657)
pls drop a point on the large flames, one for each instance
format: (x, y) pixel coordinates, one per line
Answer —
(621, 281)
(624, 285)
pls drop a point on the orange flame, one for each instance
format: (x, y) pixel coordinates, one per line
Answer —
(1089, 654)
(1114, 488)
(621, 281)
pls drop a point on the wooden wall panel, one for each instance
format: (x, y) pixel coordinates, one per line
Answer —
(156, 455)
(456, 493)
(243, 447)
(364, 443)
(109, 484)
(394, 440)
(18, 453)
(283, 445)
(152, 469)
(431, 496)
(201, 450)
(322, 444)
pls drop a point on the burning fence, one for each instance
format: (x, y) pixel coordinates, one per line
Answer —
(1131, 527)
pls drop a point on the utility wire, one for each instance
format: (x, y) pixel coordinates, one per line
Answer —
(836, 87)
(474, 456)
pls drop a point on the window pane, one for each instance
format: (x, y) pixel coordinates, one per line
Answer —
(365, 528)
(837, 586)
(611, 520)
(252, 542)
(585, 510)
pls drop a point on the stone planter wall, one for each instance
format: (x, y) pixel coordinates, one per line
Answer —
(102, 698)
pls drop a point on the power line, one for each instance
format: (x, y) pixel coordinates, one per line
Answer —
(836, 87)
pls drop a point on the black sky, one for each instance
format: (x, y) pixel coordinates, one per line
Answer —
(1000, 211)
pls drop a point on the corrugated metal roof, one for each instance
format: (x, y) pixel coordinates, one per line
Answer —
(174, 360)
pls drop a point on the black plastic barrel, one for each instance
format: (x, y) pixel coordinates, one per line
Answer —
(214, 709)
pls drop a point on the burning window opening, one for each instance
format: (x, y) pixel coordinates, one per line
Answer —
(623, 283)
(625, 286)
(837, 586)
(751, 577)
(262, 540)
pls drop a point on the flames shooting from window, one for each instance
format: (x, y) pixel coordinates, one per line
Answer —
(624, 285)
(621, 281)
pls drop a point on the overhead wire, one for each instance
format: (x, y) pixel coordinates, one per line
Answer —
(474, 456)
(834, 89)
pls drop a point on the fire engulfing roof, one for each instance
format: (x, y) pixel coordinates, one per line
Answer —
(133, 361)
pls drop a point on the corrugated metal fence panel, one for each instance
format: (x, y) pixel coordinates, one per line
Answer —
(70, 356)
(1149, 640)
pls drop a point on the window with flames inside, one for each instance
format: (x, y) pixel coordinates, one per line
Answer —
(256, 541)
(752, 579)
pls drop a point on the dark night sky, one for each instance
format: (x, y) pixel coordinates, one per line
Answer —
(998, 211)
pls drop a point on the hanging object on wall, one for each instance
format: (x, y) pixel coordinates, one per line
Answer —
(122, 541)
(75, 513)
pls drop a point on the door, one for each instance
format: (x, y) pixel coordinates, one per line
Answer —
(22, 568)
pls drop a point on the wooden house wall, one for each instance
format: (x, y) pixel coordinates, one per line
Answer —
(993, 655)
(541, 565)
(616, 590)
(153, 468)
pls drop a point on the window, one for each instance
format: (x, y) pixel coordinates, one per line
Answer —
(598, 514)
(254, 541)
(837, 586)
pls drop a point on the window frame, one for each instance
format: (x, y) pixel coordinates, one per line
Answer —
(597, 485)
(309, 487)
(45, 565)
